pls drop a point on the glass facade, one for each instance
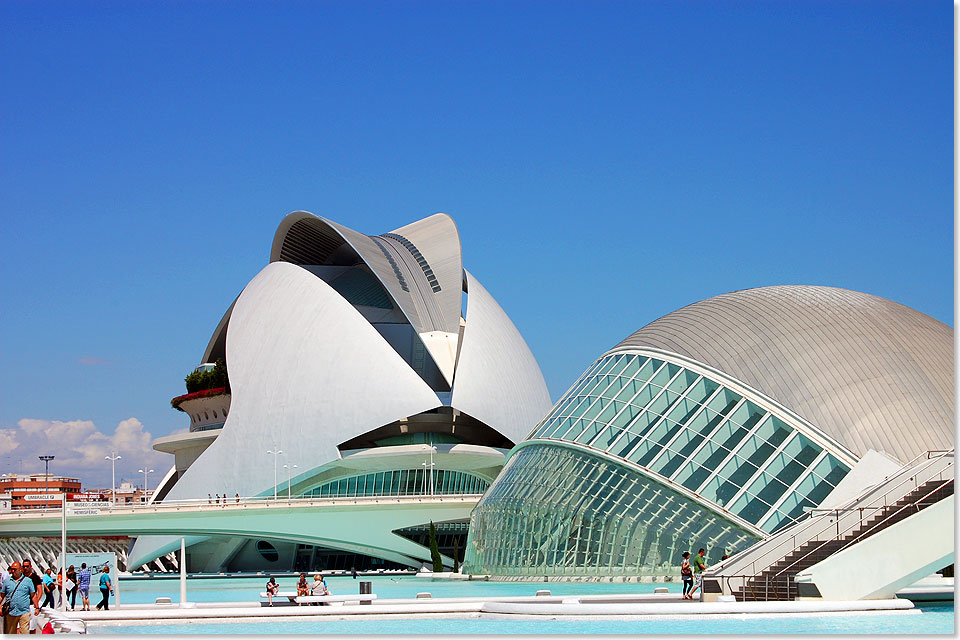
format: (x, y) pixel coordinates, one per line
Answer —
(596, 518)
(402, 482)
(686, 430)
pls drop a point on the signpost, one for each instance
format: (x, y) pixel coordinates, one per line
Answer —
(85, 504)
(42, 497)
(63, 553)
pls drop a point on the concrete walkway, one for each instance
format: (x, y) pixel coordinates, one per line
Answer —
(612, 605)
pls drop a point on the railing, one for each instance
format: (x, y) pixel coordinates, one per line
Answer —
(840, 536)
(66, 623)
(753, 588)
(250, 502)
(932, 464)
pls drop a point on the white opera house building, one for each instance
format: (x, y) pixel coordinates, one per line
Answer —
(358, 367)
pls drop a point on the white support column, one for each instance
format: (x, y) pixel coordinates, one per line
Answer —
(63, 550)
(183, 573)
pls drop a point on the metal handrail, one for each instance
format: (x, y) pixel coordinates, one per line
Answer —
(866, 533)
(749, 585)
(59, 618)
(867, 499)
(247, 502)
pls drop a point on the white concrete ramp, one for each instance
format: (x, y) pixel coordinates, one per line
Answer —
(887, 561)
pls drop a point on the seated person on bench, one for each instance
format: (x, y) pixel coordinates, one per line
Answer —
(272, 589)
(319, 587)
(302, 588)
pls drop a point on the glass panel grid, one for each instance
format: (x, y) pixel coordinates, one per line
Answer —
(694, 431)
(402, 482)
(594, 518)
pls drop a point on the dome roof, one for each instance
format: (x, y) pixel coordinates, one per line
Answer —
(869, 372)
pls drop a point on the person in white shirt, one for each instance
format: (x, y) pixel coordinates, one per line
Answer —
(319, 587)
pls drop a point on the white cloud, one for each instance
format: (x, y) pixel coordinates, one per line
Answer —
(8, 440)
(80, 450)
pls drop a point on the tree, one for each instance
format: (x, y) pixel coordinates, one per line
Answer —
(434, 550)
(456, 557)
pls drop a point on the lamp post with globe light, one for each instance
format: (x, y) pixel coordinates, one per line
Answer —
(275, 454)
(289, 468)
(144, 471)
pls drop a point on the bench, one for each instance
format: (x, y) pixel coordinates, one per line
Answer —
(291, 597)
(358, 597)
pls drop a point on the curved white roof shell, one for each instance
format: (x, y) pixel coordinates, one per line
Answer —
(429, 303)
(307, 372)
(869, 372)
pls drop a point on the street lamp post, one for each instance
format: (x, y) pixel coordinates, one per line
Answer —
(288, 468)
(144, 472)
(433, 450)
(429, 465)
(275, 454)
(46, 473)
(113, 476)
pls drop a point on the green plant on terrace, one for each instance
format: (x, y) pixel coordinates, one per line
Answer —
(213, 379)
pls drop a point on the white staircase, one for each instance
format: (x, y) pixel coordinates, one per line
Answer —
(768, 570)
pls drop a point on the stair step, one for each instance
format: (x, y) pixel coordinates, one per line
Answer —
(772, 584)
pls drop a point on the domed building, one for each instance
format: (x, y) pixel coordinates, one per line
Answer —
(715, 426)
(358, 367)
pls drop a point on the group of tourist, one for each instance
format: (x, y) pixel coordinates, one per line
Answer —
(692, 573)
(221, 500)
(317, 588)
(22, 588)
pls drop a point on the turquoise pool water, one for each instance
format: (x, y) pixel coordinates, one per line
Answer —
(931, 620)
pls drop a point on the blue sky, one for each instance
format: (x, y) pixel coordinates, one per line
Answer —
(605, 162)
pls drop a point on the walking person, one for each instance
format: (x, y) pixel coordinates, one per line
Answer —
(34, 577)
(686, 574)
(699, 566)
(71, 585)
(19, 593)
(106, 588)
(83, 586)
(48, 584)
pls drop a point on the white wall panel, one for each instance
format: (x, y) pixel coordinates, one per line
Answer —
(497, 378)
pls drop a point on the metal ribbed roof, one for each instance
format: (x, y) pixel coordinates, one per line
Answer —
(872, 373)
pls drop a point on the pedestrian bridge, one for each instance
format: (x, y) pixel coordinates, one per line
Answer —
(361, 524)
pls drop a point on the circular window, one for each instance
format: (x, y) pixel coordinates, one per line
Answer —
(268, 551)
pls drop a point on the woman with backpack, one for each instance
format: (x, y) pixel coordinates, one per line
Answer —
(686, 574)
